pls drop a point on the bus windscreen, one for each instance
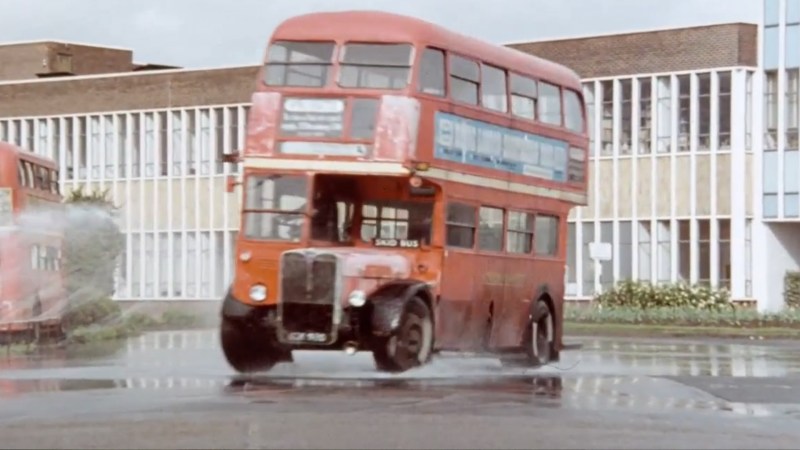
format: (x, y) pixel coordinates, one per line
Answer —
(299, 64)
(375, 66)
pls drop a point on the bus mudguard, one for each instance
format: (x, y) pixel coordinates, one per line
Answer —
(234, 309)
(387, 304)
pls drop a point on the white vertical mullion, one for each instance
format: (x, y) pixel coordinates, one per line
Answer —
(142, 211)
(781, 104)
(227, 250)
(616, 115)
(714, 224)
(596, 170)
(170, 201)
(89, 150)
(114, 190)
(737, 187)
(154, 155)
(212, 181)
(128, 151)
(49, 152)
(635, 123)
(653, 179)
(196, 158)
(185, 144)
(102, 151)
(579, 252)
(674, 112)
(62, 153)
(694, 226)
(76, 149)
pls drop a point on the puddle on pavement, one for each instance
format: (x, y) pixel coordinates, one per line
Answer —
(605, 373)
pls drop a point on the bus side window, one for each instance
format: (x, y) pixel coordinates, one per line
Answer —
(464, 80)
(549, 104)
(546, 235)
(490, 231)
(523, 96)
(460, 225)
(519, 232)
(432, 72)
(493, 88)
(573, 113)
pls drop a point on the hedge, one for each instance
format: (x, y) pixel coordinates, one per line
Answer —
(646, 295)
(791, 289)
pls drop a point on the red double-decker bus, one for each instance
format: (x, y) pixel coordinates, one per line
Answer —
(32, 295)
(405, 190)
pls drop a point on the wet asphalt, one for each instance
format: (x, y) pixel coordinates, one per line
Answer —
(174, 390)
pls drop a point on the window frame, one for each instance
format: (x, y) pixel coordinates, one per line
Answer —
(530, 235)
(340, 55)
(482, 228)
(559, 96)
(448, 224)
(451, 58)
(514, 93)
(566, 113)
(536, 233)
(328, 65)
(491, 69)
(445, 72)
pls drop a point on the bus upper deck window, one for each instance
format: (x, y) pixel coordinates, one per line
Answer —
(375, 66)
(549, 104)
(432, 72)
(299, 64)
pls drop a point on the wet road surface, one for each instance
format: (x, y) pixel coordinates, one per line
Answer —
(174, 390)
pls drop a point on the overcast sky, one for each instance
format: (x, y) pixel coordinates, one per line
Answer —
(205, 33)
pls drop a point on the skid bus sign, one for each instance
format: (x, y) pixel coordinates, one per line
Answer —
(396, 243)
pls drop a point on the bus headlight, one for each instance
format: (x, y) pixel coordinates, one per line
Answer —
(357, 299)
(245, 256)
(258, 293)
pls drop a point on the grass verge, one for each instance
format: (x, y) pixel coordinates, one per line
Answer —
(132, 325)
(681, 322)
(111, 328)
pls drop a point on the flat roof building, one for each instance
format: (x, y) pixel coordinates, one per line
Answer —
(676, 168)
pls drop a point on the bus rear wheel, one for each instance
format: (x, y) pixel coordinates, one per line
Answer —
(249, 349)
(411, 345)
(538, 340)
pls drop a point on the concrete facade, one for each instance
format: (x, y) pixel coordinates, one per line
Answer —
(676, 183)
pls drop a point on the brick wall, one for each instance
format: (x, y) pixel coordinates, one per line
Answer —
(27, 61)
(21, 61)
(656, 51)
(139, 91)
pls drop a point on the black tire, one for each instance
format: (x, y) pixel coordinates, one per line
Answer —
(249, 350)
(537, 343)
(411, 345)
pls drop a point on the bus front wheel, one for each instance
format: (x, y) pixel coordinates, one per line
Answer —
(411, 345)
(249, 349)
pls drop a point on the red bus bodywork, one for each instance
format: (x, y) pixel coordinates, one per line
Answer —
(31, 285)
(421, 140)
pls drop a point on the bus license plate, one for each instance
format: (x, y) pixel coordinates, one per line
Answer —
(297, 336)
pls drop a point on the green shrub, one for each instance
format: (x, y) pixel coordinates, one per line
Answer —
(93, 312)
(645, 296)
(791, 289)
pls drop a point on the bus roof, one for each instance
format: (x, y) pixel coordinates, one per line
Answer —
(379, 26)
(9, 150)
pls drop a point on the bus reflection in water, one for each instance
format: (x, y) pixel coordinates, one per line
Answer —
(405, 191)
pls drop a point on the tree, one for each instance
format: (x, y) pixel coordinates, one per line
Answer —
(92, 245)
